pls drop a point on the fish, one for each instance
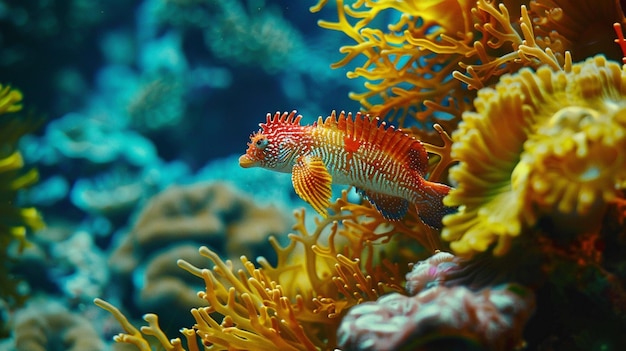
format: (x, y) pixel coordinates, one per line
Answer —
(384, 164)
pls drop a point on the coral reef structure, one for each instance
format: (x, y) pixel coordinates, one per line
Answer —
(96, 142)
(238, 32)
(420, 57)
(516, 107)
(447, 318)
(15, 221)
(297, 303)
(549, 146)
(172, 225)
(534, 102)
(46, 325)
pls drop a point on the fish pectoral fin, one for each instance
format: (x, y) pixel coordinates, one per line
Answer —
(311, 181)
(391, 207)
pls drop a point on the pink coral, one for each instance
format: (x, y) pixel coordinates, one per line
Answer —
(430, 272)
(492, 318)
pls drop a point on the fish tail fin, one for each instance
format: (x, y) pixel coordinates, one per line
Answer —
(430, 207)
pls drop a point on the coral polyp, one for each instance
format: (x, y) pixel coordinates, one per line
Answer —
(543, 145)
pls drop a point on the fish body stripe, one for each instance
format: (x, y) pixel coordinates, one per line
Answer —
(379, 163)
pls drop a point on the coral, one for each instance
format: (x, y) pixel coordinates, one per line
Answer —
(162, 59)
(115, 87)
(187, 13)
(209, 213)
(442, 318)
(14, 221)
(583, 28)
(545, 144)
(47, 192)
(157, 100)
(430, 272)
(135, 336)
(75, 136)
(239, 33)
(158, 104)
(118, 191)
(78, 267)
(261, 38)
(47, 325)
(296, 303)
(109, 194)
(540, 186)
(439, 156)
(64, 260)
(620, 40)
(163, 287)
(400, 77)
(417, 65)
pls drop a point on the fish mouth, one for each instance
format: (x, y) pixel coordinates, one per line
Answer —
(246, 162)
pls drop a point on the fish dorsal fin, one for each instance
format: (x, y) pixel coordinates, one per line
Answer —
(280, 120)
(391, 207)
(375, 133)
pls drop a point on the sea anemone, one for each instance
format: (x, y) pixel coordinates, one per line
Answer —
(541, 145)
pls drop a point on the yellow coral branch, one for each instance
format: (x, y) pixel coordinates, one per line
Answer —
(153, 329)
(133, 335)
(444, 153)
(10, 100)
(295, 305)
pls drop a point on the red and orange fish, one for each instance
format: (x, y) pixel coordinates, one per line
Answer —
(384, 164)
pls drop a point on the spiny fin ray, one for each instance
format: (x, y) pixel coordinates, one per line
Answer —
(372, 131)
(284, 118)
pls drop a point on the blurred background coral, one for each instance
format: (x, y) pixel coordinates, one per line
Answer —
(126, 222)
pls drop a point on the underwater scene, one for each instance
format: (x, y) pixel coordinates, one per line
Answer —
(312, 175)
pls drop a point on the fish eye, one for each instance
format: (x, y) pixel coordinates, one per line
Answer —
(261, 142)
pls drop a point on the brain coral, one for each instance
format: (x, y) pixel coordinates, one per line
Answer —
(184, 217)
(46, 325)
(296, 303)
(440, 318)
(541, 145)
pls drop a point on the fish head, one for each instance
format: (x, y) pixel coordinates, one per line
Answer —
(259, 152)
(274, 145)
